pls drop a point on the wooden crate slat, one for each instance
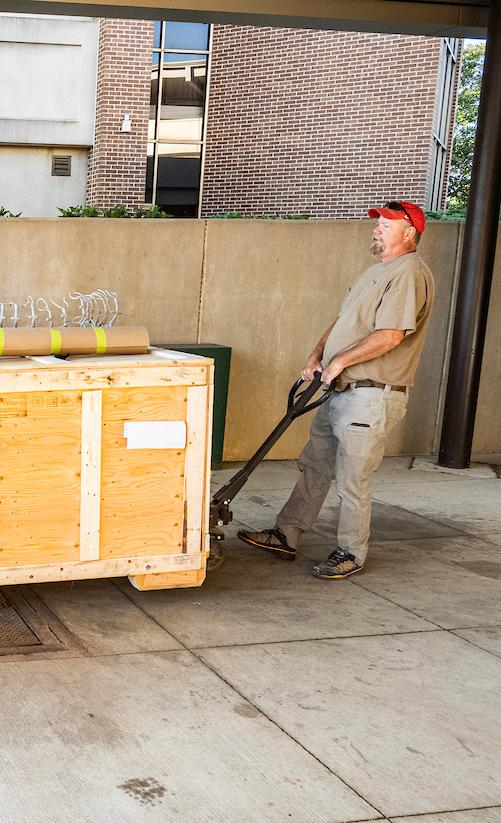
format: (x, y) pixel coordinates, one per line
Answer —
(208, 448)
(78, 379)
(195, 478)
(90, 488)
(118, 567)
(168, 580)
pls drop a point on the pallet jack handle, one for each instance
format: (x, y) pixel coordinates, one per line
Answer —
(297, 405)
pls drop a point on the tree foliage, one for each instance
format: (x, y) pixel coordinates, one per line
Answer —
(466, 123)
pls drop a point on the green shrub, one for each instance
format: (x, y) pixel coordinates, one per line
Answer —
(446, 215)
(79, 211)
(237, 215)
(152, 212)
(116, 211)
(7, 213)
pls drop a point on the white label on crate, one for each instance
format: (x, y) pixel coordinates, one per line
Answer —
(158, 434)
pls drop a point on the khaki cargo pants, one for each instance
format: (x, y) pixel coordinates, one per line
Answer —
(347, 441)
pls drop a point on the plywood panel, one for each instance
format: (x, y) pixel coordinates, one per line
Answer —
(40, 478)
(151, 403)
(142, 491)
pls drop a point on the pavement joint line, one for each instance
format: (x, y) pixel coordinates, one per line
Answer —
(289, 735)
(447, 629)
(261, 711)
(405, 608)
(442, 811)
(368, 820)
(86, 654)
(312, 639)
(451, 631)
(482, 626)
(476, 645)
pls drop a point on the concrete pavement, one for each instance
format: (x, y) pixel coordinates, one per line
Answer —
(269, 695)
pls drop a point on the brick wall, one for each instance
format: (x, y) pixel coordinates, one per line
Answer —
(117, 163)
(317, 122)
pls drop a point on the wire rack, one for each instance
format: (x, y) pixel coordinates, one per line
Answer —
(98, 308)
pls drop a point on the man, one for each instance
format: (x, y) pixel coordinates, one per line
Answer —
(372, 349)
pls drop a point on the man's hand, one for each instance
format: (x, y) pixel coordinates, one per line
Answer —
(312, 365)
(332, 371)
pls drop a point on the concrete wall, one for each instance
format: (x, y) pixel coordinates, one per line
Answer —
(266, 288)
(47, 105)
(27, 184)
(48, 71)
(271, 289)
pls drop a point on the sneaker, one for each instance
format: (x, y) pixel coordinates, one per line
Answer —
(271, 540)
(340, 563)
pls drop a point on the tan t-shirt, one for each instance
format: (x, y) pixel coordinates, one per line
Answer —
(395, 294)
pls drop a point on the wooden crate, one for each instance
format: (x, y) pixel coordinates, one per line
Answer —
(105, 467)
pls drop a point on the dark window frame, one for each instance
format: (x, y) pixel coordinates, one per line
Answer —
(155, 139)
(442, 126)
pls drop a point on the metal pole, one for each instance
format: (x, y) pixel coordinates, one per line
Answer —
(477, 262)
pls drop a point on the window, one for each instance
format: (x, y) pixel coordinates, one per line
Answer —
(442, 127)
(179, 73)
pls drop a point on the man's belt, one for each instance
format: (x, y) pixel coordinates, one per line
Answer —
(366, 384)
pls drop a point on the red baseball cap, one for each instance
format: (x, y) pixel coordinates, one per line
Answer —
(401, 210)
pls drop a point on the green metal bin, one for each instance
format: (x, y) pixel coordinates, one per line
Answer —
(222, 358)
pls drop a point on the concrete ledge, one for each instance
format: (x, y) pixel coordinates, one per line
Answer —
(476, 470)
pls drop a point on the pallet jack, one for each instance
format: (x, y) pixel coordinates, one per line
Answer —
(219, 511)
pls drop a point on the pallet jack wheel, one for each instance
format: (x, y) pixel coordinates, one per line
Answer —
(216, 557)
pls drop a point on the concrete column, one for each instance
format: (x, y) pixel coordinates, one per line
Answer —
(477, 262)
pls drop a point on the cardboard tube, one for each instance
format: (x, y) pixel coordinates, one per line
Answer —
(74, 340)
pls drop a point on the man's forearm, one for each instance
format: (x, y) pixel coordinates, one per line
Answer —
(374, 345)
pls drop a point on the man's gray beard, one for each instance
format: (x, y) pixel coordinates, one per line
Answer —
(376, 248)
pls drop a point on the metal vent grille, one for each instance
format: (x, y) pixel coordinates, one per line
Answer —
(13, 630)
(61, 165)
(28, 626)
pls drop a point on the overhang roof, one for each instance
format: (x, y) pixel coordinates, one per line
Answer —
(439, 18)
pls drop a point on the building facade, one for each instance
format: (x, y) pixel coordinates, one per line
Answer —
(204, 121)
(48, 67)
